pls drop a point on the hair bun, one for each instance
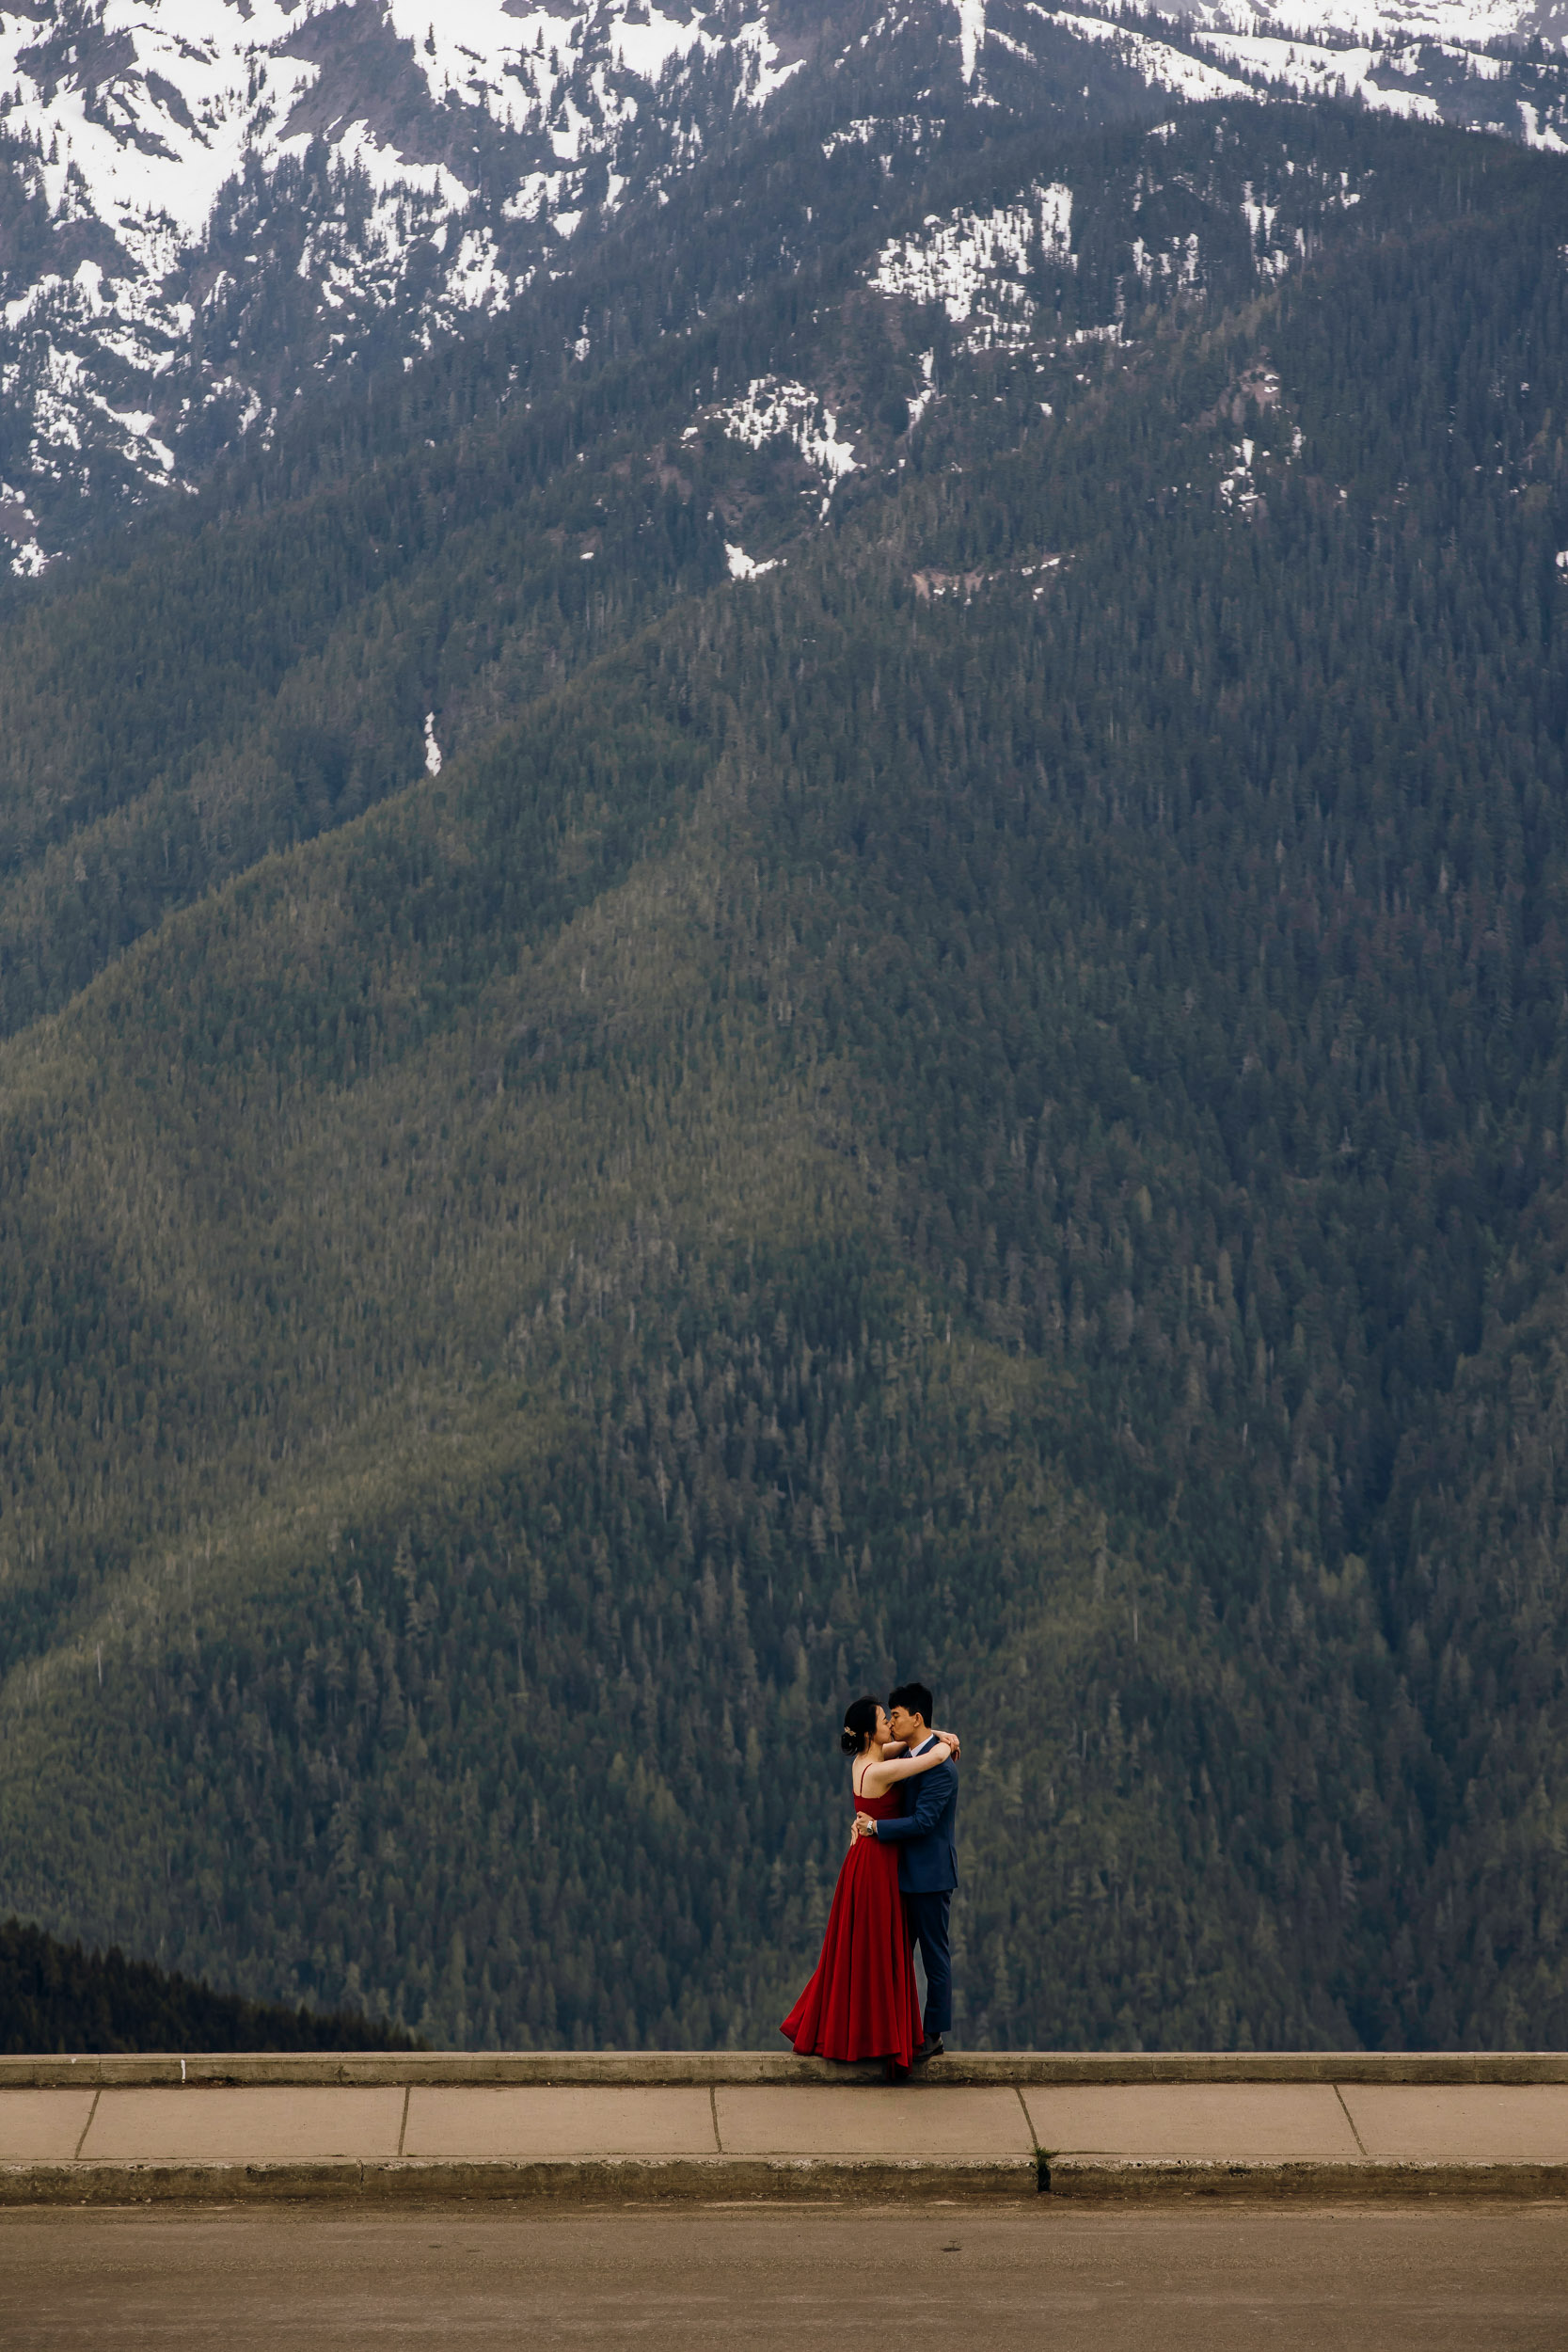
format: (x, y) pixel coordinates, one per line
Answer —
(859, 1722)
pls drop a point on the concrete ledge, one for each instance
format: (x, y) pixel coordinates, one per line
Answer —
(1123, 2180)
(703, 2068)
(627, 2179)
(1085, 2180)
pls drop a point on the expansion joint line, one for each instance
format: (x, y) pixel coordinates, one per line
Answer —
(1349, 2118)
(87, 2125)
(713, 2110)
(403, 2127)
(1041, 2166)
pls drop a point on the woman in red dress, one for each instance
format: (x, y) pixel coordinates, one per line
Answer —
(861, 2002)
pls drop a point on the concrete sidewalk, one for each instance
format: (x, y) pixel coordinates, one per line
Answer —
(722, 2138)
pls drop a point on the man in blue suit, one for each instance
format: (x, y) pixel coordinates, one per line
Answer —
(925, 1834)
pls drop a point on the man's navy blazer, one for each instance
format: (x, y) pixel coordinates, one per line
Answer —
(926, 1833)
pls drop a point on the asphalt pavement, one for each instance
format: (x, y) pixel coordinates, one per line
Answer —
(1226, 2278)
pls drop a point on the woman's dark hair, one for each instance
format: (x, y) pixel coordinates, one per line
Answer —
(859, 1722)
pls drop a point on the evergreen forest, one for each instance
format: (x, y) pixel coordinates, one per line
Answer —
(649, 1079)
(56, 2000)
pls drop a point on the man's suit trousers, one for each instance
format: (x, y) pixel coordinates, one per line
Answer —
(927, 1919)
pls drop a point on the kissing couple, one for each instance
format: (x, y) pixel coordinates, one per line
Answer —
(894, 1891)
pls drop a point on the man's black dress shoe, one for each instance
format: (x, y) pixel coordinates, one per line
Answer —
(927, 2050)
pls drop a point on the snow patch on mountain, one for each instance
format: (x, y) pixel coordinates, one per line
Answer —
(20, 526)
(772, 409)
(1328, 72)
(1423, 62)
(883, 131)
(764, 71)
(743, 567)
(974, 263)
(1237, 489)
(146, 109)
(972, 32)
(1162, 65)
(1272, 259)
(952, 261)
(1467, 23)
(146, 104)
(511, 62)
(1538, 134)
(1173, 266)
(927, 393)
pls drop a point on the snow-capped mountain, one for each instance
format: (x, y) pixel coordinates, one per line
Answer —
(1487, 67)
(206, 202)
(208, 206)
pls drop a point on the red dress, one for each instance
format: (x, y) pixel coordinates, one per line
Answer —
(862, 2001)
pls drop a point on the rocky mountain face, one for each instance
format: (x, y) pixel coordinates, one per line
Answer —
(212, 209)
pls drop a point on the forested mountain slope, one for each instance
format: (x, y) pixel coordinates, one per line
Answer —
(967, 1074)
(55, 1998)
(264, 664)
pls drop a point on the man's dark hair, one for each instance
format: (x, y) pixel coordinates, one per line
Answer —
(916, 1697)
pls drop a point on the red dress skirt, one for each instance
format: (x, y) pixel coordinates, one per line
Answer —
(861, 2002)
